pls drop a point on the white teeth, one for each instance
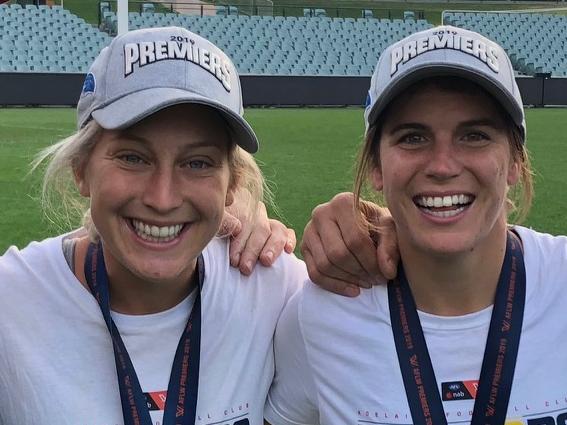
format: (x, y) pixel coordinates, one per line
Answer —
(443, 201)
(154, 233)
(444, 214)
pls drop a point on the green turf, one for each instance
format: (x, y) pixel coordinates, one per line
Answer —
(307, 154)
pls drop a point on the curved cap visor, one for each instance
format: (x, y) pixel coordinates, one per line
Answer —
(404, 80)
(134, 107)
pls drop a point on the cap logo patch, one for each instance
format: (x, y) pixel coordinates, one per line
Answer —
(89, 85)
(177, 48)
(444, 39)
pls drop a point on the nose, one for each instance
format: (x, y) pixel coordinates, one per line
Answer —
(444, 161)
(162, 192)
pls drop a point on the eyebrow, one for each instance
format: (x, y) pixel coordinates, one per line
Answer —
(409, 126)
(146, 143)
(482, 122)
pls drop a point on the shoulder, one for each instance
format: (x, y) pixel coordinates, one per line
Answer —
(322, 315)
(319, 305)
(542, 248)
(37, 272)
(279, 281)
(545, 259)
(37, 255)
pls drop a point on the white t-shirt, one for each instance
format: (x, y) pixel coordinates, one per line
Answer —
(56, 359)
(337, 363)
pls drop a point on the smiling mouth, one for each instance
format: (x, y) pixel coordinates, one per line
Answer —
(444, 206)
(157, 234)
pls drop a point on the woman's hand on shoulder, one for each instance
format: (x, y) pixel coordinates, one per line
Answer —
(254, 239)
(341, 255)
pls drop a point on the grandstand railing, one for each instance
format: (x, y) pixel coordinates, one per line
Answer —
(263, 8)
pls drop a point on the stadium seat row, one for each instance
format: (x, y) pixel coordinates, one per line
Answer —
(51, 39)
(535, 42)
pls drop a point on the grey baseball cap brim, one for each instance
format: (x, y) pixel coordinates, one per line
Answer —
(427, 70)
(134, 107)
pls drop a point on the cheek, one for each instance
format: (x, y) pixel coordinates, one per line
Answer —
(214, 194)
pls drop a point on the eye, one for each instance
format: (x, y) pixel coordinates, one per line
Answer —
(132, 159)
(412, 140)
(198, 164)
(476, 137)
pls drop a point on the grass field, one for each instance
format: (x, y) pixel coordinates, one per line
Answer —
(306, 153)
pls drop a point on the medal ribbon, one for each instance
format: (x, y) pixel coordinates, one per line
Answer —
(181, 401)
(500, 353)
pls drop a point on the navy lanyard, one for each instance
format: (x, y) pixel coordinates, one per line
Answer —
(500, 354)
(181, 401)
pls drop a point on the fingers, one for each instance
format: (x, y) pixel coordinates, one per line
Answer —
(280, 238)
(230, 225)
(388, 255)
(237, 244)
(259, 238)
(247, 246)
(291, 242)
(253, 249)
(329, 283)
(347, 244)
(340, 249)
(328, 261)
(350, 247)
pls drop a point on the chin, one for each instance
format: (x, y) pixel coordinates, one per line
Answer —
(448, 244)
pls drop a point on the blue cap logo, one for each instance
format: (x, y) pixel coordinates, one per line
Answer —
(90, 84)
(368, 100)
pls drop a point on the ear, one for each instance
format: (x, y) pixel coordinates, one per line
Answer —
(81, 180)
(229, 197)
(376, 178)
(514, 173)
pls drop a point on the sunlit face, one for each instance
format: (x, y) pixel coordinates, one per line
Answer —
(445, 167)
(158, 191)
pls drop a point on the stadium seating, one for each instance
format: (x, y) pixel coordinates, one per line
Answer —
(51, 39)
(307, 45)
(535, 42)
(46, 39)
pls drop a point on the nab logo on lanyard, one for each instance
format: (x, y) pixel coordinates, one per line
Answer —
(459, 390)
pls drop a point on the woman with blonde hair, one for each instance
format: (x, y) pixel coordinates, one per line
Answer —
(472, 328)
(141, 319)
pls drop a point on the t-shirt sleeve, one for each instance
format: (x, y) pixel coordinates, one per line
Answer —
(292, 397)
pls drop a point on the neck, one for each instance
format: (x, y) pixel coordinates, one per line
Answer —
(130, 294)
(455, 284)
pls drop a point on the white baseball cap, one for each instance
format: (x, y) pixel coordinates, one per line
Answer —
(144, 71)
(440, 51)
